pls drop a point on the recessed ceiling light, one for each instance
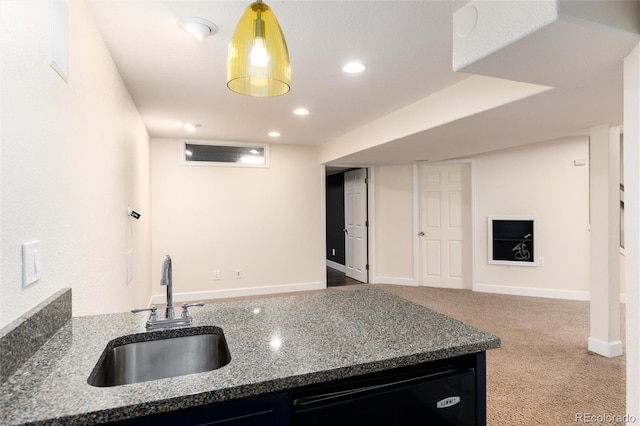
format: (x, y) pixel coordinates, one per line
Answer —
(301, 111)
(353, 67)
(274, 134)
(198, 27)
(191, 127)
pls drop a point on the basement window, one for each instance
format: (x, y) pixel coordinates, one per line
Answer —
(225, 154)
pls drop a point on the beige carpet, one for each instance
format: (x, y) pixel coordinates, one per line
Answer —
(543, 373)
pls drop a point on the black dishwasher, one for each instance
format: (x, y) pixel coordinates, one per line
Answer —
(435, 398)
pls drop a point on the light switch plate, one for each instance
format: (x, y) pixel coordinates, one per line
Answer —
(60, 38)
(30, 262)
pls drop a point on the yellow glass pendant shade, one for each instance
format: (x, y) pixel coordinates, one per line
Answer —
(258, 60)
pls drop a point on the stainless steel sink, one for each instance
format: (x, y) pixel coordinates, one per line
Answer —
(158, 355)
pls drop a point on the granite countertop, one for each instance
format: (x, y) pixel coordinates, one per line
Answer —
(275, 344)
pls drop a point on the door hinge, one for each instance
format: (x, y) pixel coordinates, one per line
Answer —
(366, 223)
(366, 266)
(366, 181)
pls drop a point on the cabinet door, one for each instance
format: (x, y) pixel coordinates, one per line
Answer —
(270, 410)
(268, 417)
(441, 401)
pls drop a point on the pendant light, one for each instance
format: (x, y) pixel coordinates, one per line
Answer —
(258, 60)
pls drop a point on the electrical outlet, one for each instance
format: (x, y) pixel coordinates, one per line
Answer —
(238, 274)
(216, 275)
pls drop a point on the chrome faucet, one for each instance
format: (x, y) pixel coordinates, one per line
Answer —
(166, 280)
(169, 320)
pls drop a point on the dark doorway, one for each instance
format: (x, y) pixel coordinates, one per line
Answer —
(336, 278)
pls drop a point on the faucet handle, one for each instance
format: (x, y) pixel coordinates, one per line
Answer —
(189, 305)
(186, 306)
(153, 308)
(153, 318)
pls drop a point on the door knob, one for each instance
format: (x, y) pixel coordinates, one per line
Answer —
(345, 231)
(421, 234)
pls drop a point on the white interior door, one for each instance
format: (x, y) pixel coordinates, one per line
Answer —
(355, 219)
(445, 225)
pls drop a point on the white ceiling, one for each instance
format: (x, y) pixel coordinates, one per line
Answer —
(407, 47)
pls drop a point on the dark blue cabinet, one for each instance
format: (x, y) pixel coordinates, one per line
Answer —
(267, 410)
(441, 393)
(448, 392)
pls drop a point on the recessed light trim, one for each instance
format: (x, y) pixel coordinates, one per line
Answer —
(301, 111)
(273, 134)
(353, 67)
(198, 27)
(191, 127)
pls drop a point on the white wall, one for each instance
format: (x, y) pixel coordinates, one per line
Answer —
(632, 227)
(394, 224)
(266, 222)
(74, 155)
(537, 180)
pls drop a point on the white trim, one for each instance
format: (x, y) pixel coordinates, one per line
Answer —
(606, 349)
(323, 221)
(631, 227)
(396, 281)
(416, 225)
(237, 292)
(371, 217)
(472, 188)
(550, 293)
(337, 266)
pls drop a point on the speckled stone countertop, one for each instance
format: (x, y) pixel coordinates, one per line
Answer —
(275, 344)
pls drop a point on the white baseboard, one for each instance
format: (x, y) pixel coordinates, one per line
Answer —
(549, 293)
(237, 292)
(395, 280)
(335, 265)
(533, 292)
(606, 349)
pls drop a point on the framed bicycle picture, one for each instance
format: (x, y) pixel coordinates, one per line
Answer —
(512, 241)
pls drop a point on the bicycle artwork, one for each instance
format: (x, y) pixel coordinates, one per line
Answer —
(512, 241)
(521, 252)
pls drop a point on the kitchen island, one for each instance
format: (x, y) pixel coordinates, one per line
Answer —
(277, 345)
